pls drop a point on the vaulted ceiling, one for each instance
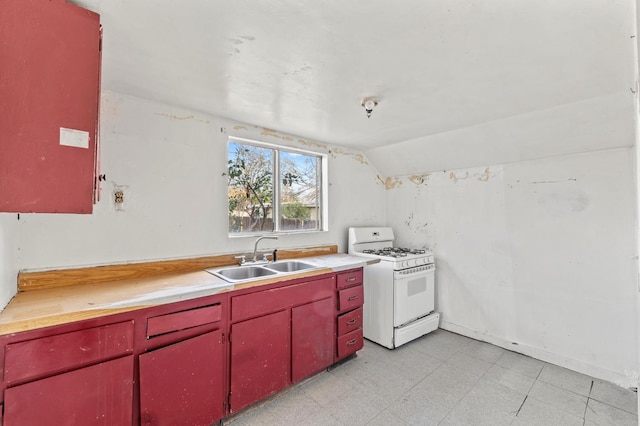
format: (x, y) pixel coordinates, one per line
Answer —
(303, 67)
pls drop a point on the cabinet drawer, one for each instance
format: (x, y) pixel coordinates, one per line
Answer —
(350, 343)
(349, 321)
(267, 301)
(349, 279)
(54, 354)
(181, 320)
(350, 298)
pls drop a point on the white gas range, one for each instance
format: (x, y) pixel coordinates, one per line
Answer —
(399, 291)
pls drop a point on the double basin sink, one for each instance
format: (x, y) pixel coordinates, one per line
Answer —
(234, 274)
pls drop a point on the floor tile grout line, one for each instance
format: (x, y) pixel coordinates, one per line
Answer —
(521, 405)
(463, 396)
(611, 406)
(586, 406)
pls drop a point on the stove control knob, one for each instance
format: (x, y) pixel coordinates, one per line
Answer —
(404, 264)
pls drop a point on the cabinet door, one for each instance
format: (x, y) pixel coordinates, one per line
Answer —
(98, 395)
(260, 358)
(312, 338)
(182, 384)
(49, 99)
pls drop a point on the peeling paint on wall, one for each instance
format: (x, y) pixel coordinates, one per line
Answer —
(314, 144)
(356, 156)
(555, 181)
(455, 178)
(239, 128)
(186, 117)
(379, 180)
(392, 183)
(274, 134)
(419, 179)
(485, 176)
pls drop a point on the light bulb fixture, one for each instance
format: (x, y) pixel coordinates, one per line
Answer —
(369, 104)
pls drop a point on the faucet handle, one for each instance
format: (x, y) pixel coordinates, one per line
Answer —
(243, 259)
(265, 256)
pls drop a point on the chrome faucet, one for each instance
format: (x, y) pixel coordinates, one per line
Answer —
(255, 246)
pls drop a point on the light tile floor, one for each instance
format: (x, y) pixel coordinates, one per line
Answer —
(446, 379)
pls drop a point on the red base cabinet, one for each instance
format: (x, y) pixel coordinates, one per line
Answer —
(290, 338)
(260, 358)
(181, 384)
(98, 395)
(350, 301)
(312, 338)
(185, 363)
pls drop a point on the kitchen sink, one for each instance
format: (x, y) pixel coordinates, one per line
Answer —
(241, 273)
(290, 266)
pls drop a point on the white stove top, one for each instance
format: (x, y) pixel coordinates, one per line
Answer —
(377, 243)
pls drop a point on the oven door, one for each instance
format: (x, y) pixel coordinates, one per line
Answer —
(413, 294)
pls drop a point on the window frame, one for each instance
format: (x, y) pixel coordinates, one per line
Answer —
(323, 212)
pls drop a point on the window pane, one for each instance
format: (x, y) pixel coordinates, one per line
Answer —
(299, 191)
(250, 190)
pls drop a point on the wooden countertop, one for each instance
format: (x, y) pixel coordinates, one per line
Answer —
(59, 305)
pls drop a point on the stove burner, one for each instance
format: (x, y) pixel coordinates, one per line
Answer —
(394, 252)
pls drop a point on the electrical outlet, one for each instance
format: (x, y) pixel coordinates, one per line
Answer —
(118, 197)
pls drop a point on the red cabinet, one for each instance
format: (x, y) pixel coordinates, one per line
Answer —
(312, 338)
(350, 321)
(49, 355)
(49, 101)
(182, 384)
(186, 363)
(290, 337)
(350, 301)
(101, 394)
(260, 358)
(350, 298)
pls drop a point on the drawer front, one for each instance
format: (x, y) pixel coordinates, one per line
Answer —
(350, 343)
(263, 302)
(349, 321)
(350, 298)
(349, 279)
(177, 321)
(54, 354)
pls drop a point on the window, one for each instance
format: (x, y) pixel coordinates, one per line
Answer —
(267, 182)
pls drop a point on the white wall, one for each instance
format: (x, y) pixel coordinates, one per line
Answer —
(170, 164)
(587, 125)
(9, 254)
(537, 256)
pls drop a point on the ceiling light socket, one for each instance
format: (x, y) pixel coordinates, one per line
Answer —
(369, 104)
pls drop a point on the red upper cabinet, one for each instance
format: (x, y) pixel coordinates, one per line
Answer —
(50, 53)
